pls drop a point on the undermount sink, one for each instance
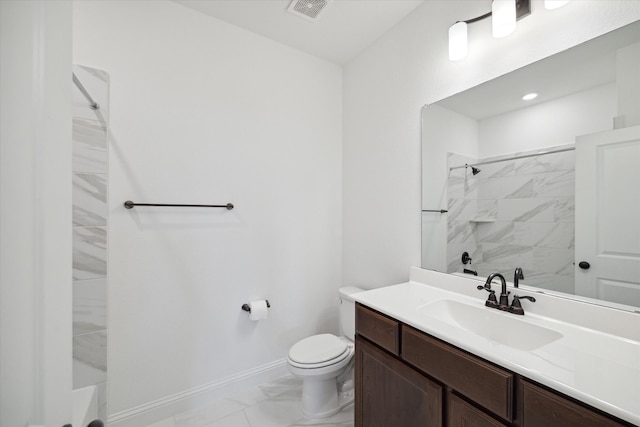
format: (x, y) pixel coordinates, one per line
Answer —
(498, 327)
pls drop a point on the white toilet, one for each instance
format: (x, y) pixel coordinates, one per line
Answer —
(320, 359)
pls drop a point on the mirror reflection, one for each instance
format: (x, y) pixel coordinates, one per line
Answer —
(548, 184)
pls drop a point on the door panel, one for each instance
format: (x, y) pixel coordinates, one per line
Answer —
(608, 215)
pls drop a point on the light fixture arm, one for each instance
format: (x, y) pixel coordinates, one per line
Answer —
(478, 18)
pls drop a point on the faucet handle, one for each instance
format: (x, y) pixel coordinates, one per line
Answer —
(516, 307)
(491, 300)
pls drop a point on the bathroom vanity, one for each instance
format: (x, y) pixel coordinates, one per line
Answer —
(433, 355)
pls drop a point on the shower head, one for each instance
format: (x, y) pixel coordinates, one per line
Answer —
(475, 171)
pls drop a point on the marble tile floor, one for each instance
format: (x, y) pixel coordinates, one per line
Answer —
(273, 404)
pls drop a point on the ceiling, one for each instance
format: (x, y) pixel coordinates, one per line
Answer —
(343, 30)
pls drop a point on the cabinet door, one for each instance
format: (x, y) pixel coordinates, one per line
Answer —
(545, 408)
(389, 393)
(461, 414)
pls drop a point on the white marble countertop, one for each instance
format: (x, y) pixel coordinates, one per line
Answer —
(597, 367)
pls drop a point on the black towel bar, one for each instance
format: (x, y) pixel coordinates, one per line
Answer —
(129, 205)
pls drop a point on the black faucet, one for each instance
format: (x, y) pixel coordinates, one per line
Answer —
(515, 307)
(504, 294)
(517, 275)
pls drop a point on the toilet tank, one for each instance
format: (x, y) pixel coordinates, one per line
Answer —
(348, 311)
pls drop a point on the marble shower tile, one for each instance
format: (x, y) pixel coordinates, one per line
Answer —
(495, 232)
(496, 170)
(96, 82)
(89, 359)
(564, 209)
(89, 147)
(470, 187)
(462, 210)
(521, 210)
(455, 187)
(459, 231)
(89, 252)
(487, 208)
(555, 184)
(563, 161)
(89, 199)
(510, 187)
(502, 256)
(545, 234)
(462, 188)
(89, 306)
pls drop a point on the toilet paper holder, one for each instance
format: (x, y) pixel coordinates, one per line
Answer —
(246, 307)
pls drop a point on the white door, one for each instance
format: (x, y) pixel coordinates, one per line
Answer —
(608, 216)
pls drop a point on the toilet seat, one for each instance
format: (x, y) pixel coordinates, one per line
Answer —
(319, 351)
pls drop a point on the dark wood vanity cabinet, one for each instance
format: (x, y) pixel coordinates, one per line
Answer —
(393, 394)
(542, 407)
(405, 377)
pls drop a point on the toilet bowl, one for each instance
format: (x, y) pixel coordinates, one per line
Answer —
(319, 361)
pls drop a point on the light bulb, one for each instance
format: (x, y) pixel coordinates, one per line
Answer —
(503, 17)
(554, 4)
(458, 45)
(530, 96)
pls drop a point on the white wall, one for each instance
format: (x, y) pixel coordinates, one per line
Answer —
(549, 124)
(35, 212)
(204, 112)
(384, 89)
(450, 132)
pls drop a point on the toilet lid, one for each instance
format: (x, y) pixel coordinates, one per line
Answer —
(317, 349)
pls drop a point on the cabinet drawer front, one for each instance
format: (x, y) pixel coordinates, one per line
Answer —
(460, 413)
(480, 381)
(378, 328)
(545, 408)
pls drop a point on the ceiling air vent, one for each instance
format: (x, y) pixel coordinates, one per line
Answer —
(308, 9)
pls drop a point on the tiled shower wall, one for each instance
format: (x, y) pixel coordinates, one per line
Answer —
(515, 213)
(90, 225)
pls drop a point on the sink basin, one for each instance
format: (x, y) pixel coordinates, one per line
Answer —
(496, 326)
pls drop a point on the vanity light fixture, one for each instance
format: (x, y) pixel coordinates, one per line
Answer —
(504, 18)
(505, 14)
(554, 4)
(530, 96)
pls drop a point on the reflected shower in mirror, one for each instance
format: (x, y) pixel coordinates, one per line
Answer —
(499, 172)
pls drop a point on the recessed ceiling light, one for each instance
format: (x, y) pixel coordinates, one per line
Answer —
(530, 96)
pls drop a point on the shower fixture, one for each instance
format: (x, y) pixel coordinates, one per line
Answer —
(475, 170)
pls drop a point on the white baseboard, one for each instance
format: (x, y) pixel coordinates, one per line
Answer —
(195, 397)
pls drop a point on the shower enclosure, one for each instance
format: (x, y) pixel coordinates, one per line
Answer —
(90, 117)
